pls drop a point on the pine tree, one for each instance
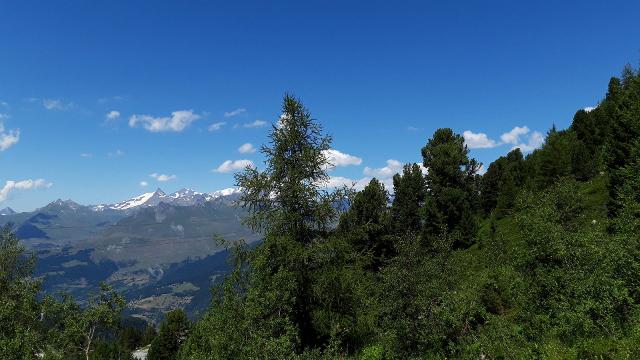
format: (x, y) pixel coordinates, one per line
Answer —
(449, 206)
(173, 332)
(410, 191)
(366, 223)
(289, 206)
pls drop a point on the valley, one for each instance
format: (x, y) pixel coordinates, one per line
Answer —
(157, 249)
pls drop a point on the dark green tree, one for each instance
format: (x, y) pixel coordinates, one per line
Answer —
(366, 223)
(449, 206)
(500, 184)
(174, 330)
(19, 308)
(410, 191)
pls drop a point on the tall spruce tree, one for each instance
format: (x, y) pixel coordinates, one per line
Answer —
(366, 223)
(288, 204)
(410, 190)
(449, 206)
(501, 182)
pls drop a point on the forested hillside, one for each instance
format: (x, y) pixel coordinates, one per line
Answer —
(537, 258)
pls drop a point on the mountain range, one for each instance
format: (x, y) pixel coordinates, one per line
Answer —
(139, 245)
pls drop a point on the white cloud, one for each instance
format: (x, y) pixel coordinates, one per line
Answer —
(112, 115)
(357, 184)
(235, 112)
(536, 139)
(393, 167)
(246, 148)
(56, 104)
(340, 181)
(144, 183)
(513, 136)
(162, 177)
(28, 184)
(178, 121)
(412, 128)
(231, 165)
(519, 137)
(217, 126)
(4, 103)
(337, 158)
(4, 116)
(478, 140)
(86, 155)
(254, 124)
(589, 108)
(8, 138)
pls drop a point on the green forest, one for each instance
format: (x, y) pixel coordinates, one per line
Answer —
(538, 258)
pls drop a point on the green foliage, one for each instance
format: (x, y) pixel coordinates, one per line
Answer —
(501, 183)
(450, 202)
(19, 308)
(73, 331)
(410, 191)
(173, 332)
(366, 223)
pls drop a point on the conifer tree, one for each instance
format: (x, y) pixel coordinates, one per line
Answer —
(449, 206)
(173, 332)
(366, 223)
(288, 204)
(410, 191)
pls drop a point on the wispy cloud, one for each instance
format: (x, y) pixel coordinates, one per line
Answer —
(233, 165)
(235, 112)
(112, 115)
(253, 124)
(117, 153)
(162, 177)
(217, 126)
(28, 184)
(8, 138)
(56, 104)
(86, 155)
(107, 99)
(144, 183)
(177, 122)
(246, 149)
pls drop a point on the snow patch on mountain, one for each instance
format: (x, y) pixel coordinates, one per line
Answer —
(182, 197)
(226, 192)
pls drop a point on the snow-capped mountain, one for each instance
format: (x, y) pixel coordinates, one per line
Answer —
(188, 197)
(144, 200)
(7, 211)
(182, 197)
(226, 192)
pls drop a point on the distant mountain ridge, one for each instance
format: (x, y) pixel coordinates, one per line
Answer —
(182, 197)
(7, 211)
(134, 244)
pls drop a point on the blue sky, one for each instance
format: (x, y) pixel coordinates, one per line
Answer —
(381, 76)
